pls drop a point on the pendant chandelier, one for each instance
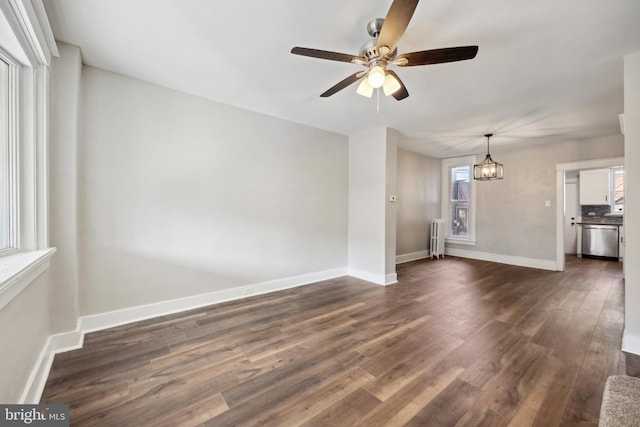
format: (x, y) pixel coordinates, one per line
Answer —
(488, 169)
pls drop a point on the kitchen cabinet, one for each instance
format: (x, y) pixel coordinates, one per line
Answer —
(595, 187)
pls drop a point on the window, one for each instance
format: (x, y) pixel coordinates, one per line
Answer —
(26, 49)
(8, 107)
(459, 201)
(618, 190)
(458, 205)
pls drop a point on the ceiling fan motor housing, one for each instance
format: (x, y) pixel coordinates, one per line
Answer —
(375, 26)
(369, 50)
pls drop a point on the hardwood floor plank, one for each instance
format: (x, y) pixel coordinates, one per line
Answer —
(405, 369)
(530, 411)
(347, 411)
(455, 342)
(407, 347)
(269, 399)
(337, 352)
(550, 411)
(447, 407)
(196, 413)
(399, 408)
(502, 396)
(162, 401)
(488, 365)
(599, 362)
(314, 400)
(385, 341)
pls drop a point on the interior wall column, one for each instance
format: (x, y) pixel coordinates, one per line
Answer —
(372, 212)
(631, 338)
(63, 183)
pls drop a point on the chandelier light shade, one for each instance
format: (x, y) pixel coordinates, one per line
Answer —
(488, 169)
(376, 76)
(365, 89)
(390, 85)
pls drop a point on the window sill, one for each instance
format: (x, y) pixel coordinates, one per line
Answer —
(460, 242)
(17, 271)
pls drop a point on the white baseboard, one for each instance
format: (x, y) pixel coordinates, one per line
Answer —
(631, 343)
(54, 344)
(96, 322)
(378, 279)
(38, 377)
(542, 264)
(391, 279)
(412, 256)
(72, 340)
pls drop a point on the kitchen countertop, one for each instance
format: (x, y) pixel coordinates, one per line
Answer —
(613, 220)
(599, 223)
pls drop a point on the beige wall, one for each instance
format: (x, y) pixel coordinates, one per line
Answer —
(180, 196)
(24, 329)
(512, 218)
(418, 200)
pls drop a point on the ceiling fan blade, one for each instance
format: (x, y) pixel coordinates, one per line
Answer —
(437, 56)
(401, 93)
(344, 83)
(396, 23)
(325, 54)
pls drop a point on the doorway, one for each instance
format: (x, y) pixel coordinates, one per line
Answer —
(561, 170)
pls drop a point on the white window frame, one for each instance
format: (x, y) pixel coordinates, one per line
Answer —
(612, 179)
(29, 42)
(445, 193)
(12, 154)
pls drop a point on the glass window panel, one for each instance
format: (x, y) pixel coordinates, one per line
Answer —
(460, 198)
(4, 156)
(618, 190)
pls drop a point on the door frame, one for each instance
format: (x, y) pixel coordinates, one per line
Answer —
(568, 181)
(561, 168)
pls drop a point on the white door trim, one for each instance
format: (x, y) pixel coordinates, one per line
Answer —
(561, 168)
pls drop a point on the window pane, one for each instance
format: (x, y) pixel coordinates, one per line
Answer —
(460, 183)
(618, 190)
(4, 156)
(459, 219)
(460, 197)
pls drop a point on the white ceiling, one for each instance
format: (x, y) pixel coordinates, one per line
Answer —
(546, 70)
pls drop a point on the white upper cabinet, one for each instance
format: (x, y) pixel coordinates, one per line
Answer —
(595, 187)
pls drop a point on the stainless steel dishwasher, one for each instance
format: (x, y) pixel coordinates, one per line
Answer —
(600, 240)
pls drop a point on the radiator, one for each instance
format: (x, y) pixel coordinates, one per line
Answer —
(437, 238)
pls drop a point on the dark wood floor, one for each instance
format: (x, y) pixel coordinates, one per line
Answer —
(456, 342)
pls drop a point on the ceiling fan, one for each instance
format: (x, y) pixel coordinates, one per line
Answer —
(380, 52)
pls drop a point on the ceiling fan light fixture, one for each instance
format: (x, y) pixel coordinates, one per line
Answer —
(488, 169)
(376, 76)
(390, 85)
(365, 89)
(381, 51)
